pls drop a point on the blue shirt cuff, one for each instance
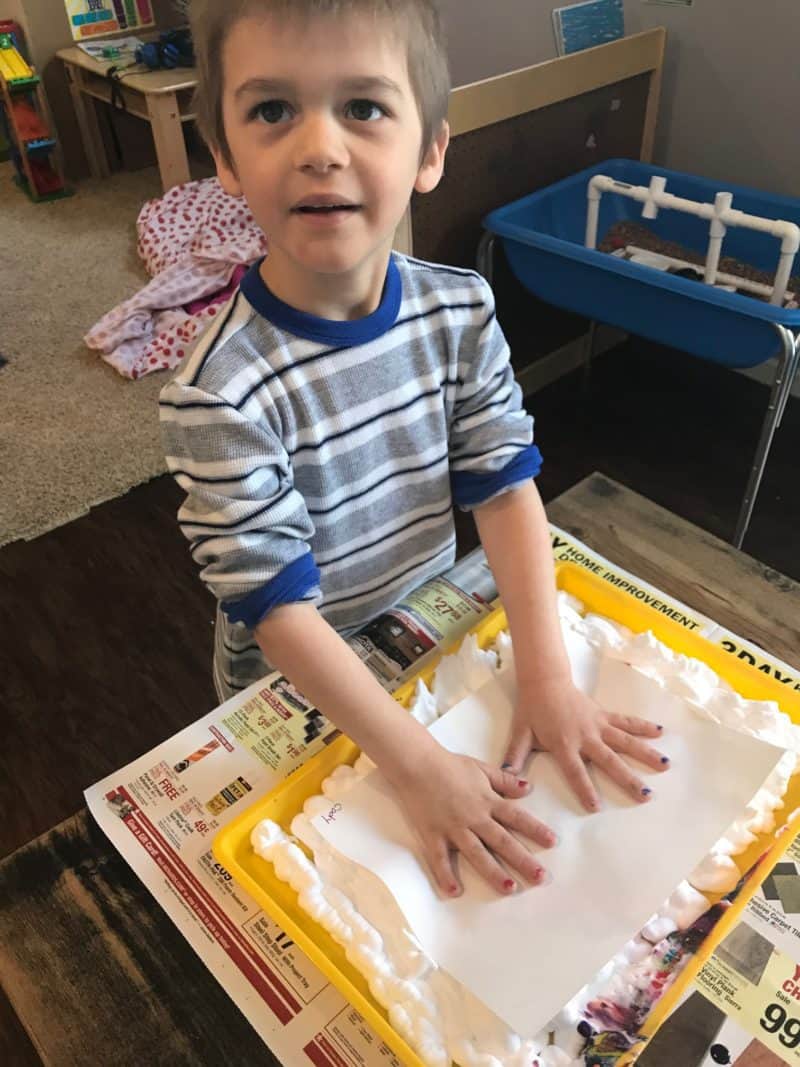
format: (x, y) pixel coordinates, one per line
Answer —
(291, 584)
(471, 489)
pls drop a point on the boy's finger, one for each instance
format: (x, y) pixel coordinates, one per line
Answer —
(513, 853)
(506, 783)
(519, 748)
(632, 724)
(578, 778)
(440, 860)
(476, 853)
(628, 745)
(515, 817)
(618, 771)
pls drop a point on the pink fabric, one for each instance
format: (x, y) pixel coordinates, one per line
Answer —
(196, 241)
(194, 307)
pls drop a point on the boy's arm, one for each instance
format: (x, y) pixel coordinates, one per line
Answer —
(551, 713)
(322, 666)
(454, 803)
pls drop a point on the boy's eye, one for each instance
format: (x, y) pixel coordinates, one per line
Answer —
(365, 110)
(271, 111)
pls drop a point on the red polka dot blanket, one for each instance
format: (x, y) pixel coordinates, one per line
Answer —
(196, 242)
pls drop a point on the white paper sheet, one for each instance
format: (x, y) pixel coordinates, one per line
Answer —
(525, 956)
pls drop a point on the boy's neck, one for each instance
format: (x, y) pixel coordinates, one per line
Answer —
(337, 297)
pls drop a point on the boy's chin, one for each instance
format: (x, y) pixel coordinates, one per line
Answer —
(333, 262)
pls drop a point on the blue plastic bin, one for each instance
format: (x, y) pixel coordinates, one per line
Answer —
(543, 237)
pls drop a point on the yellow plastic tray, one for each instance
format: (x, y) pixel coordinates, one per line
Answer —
(233, 850)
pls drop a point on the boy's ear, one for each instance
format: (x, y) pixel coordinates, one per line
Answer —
(226, 174)
(432, 167)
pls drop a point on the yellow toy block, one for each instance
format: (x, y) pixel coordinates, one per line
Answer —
(12, 65)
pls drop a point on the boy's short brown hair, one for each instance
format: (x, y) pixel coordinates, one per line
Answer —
(418, 20)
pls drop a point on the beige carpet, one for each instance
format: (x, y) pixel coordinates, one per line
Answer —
(73, 433)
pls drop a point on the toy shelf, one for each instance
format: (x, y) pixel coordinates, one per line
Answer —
(33, 148)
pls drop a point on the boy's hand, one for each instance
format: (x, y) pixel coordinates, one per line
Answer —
(554, 716)
(458, 804)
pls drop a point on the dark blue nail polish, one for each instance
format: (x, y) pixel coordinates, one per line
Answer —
(665, 759)
(505, 766)
(659, 727)
(646, 792)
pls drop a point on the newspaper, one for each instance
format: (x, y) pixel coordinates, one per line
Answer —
(162, 811)
(743, 1007)
(567, 548)
(753, 977)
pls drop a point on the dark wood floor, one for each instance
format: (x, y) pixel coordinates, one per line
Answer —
(107, 633)
(682, 432)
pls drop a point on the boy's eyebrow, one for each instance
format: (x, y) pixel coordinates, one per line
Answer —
(365, 84)
(368, 84)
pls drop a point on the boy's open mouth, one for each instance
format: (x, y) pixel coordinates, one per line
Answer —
(324, 205)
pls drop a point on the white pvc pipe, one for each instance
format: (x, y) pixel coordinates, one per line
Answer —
(720, 214)
(717, 231)
(757, 288)
(784, 272)
(657, 186)
(592, 214)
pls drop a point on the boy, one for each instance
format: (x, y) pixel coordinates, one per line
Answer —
(346, 397)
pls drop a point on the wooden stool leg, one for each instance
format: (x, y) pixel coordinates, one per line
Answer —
(165, 120)
(86, 114)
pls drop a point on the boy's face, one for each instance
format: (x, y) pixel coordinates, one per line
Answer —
(325, 139)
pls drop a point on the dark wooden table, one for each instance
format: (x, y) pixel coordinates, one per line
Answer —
(94, 970)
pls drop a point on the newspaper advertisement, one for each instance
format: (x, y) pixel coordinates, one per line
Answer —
(743, 1007)
(162, 811)
(753, 977)
(567, 548)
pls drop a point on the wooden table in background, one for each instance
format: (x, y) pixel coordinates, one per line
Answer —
(161, 97)
(95, 970)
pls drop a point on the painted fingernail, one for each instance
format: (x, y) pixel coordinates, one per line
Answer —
(505, 766)
(647, 792)
(543, 877)
(522, 783)
(509, 885)
(659, 727)
(554, 838)
(452, 890)
(665, 759)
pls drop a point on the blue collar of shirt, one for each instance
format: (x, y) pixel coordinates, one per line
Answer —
(326, 331)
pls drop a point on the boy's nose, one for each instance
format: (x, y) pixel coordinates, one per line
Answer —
(320, 146)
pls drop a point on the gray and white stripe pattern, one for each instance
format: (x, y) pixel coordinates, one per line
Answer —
(284, 445)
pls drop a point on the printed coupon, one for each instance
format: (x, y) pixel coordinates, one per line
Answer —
(751, 980)
(754, 975)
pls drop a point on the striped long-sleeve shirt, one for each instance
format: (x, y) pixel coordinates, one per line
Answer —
(321, 459)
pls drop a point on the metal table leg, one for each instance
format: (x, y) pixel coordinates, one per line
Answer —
(485, 256)
(588, 352)
(781, 387)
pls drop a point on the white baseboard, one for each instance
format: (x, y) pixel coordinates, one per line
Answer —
(765, 373)
(571, 356)
(567, 358)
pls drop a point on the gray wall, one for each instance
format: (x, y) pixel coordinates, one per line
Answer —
(488, 39)
(731, 86)
(13, 9)
(731, 92)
